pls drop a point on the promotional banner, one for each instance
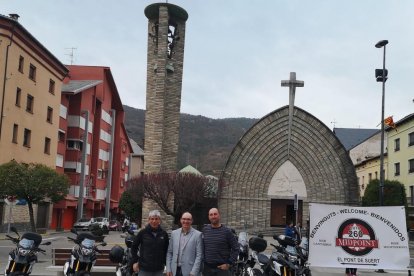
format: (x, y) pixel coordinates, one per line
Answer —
(358, 237)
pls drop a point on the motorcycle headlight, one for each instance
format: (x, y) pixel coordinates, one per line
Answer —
(86, 251)
(23, 251)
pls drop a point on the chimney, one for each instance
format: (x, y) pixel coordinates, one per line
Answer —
(14, 16)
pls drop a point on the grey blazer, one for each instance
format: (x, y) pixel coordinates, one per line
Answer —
(192, 253)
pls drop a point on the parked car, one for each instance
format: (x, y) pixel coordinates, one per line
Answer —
(84, 223)
(99, 223)
(115, 225)
(102, 221)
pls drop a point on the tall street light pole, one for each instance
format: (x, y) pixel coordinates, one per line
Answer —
(382, 76)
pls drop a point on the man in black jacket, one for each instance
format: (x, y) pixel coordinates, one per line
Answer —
(152, 244)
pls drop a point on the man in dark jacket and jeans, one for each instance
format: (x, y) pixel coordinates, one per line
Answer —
(152, 244)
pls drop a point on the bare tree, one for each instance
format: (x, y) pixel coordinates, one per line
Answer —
(186, 189)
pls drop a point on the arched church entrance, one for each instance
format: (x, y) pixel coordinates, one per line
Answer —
(287, 152)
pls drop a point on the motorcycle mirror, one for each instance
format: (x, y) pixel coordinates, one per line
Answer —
(47, 243)
(103, 243)
(260, 236)
(13, 229)
(275, 237)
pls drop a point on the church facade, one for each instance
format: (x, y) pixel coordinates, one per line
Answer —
(286, 153)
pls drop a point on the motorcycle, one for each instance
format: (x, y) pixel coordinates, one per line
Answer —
(277, 264)
(122, 257)
(293, 254)
(243, 263)
(24, 256)
(83, 255)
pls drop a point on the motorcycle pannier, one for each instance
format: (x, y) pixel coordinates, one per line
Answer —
(257, 244)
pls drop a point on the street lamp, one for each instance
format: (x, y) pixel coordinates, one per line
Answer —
(382, 76)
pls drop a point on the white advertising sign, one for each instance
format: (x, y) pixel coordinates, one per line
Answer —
(358, 237)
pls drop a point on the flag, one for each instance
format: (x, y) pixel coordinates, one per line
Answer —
(389, 122)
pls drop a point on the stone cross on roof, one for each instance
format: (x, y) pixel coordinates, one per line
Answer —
(292, 83)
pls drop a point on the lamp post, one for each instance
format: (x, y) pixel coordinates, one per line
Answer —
(382, 76)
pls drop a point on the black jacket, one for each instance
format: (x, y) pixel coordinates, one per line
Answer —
(152, 246)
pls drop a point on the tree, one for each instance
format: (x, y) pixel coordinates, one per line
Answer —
(35, 183)
(131, 200)
(394, 194)
(187, 190)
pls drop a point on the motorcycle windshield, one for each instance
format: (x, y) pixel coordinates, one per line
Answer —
(242, 238)
(87, 243)
(26, 244)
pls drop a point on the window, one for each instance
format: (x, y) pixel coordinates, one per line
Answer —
(396, 169)
(49, 115)
(27, 137)
(15, 132)
(21, 64)
(102, 174)
(32, 72)
(124, 147)
(47, 145)
(74, 144)
(29, 103)
(123, 165)
(411, 165)
(411, 139)
(122, 183)
(69, 170)
(18, 96)
(369, 177)
(61, 136)
(376, 175)
(397, 144)
(51, 86)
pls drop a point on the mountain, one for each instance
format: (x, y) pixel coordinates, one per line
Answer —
(204, 143)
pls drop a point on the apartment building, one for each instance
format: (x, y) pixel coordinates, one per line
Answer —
(91, 111)
(30, 84)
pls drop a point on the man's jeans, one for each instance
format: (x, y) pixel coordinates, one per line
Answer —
(209, 271)
(150, 273)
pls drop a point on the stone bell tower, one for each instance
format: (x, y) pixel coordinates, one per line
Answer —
(166, 36)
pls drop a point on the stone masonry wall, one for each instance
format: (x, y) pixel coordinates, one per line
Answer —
(323, 162)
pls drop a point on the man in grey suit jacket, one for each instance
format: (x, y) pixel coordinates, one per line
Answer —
(185, 250)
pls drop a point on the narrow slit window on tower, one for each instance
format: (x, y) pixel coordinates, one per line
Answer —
(172, 38)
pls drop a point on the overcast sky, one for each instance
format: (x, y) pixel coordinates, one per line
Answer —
(237, 52)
